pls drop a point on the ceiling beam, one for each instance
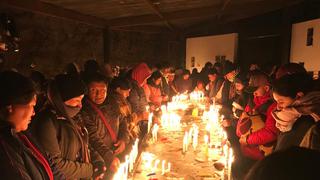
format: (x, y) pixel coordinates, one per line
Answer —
(161, 16)
(225, 3)
(148, 19)
(47, 9)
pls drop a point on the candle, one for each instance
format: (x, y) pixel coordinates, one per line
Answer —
(150, 121)
(163, 167)
(155, 133)
(169, 167)
(185, 142)
(206, 141)
(195, 139)
(230, 160)
(156, 164)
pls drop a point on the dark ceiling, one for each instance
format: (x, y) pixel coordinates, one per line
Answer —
(170, 15)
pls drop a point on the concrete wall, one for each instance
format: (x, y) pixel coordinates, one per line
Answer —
(300, 52)
(50, 43)
(206, 48)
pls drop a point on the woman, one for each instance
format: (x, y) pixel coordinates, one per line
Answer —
(154, 86)
(294, 114)
(61, 135)
(20, 157)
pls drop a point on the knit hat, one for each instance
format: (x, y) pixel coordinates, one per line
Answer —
(140, 73)
(228, 67)
(121, 83)
(212, 71)
(69, 86)
(15, 89)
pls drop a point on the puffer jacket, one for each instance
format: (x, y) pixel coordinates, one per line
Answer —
(99, 136)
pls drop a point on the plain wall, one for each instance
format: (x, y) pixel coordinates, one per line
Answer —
(206, 49)
(300, 52)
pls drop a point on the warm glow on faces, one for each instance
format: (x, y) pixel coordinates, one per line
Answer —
(239, 86)
(157, 81)
(231, 76)
(212, 77)
(282, 101)
(97, 92)
(74, 102)
(124, 93)
(186, 76)
(20, 114)
(261, 91)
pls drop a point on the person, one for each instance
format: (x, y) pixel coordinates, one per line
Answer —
(291, 120)
(294, 163)
(108, 134)
(41, 84)
(154, 85)
(20, 156)
(242, 97)
(204, 72)
(164, 69)
(183, 84)
(91, 66)
(256, 127)
(290, 68)
(72, 69)
(137, 97)
(215, 83)
(61, 134)
(200, 87)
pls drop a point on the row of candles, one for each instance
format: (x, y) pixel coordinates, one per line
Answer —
(127, 166)
(151, 163)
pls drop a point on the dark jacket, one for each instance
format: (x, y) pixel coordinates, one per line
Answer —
(17, 160)
(214, 87)
(64, 141)
(182, 85)
(137, 98)
(99, 136)
(295, 135)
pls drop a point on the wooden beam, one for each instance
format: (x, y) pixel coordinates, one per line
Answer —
(156, 10)
(148, 19)
(225, 3)
(37, 6)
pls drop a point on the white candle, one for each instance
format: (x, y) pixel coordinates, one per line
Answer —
(163, 168)
(185, 142)
(230, 160)
(156, 164)
(169, 167)
(150, 121)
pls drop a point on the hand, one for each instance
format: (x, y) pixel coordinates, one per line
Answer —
(243, 140)
(115, 165)
(226, 123)
(121, 145)
(99, 170)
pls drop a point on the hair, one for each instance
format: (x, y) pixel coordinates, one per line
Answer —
(96, 77)
(294, 163)
(121, 83)
(15, 89)
(155, 75)
(290, 85)
(91, 66)
(72, 69)
(290, 68)
(185, 72)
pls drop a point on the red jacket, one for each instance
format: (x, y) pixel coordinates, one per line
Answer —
(268, 134)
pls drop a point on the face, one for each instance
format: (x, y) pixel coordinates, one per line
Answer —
(97, 92)
(200, 86)
(231, 75)
(157, 81)
(124, 93)
(261, 91)
(239, 86)
(212, 77)
(20, 114)
(282, 101)
(165, 71)
(74, 102)
(186, 76)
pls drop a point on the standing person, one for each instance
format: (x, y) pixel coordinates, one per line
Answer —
(296, 109)
(154, 85)
(20, 157)
(184, 83)
(137, 98)
(108, 134)
(256, 126)
(164, 69)
(61, 134)
(215, 83)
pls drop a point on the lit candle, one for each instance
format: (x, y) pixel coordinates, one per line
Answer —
(156, 165)
(155, 133)
(150, 121)
(163, 169)
(230, 160)
(206, 141)
(169, 167)
(195, 138)
(185, 142)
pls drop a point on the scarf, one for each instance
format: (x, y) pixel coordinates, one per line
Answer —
(306, 105)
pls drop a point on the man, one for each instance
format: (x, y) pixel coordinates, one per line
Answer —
(20, 157)
(108, 132)
(183, 84)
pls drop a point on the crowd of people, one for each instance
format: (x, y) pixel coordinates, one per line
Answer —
(81, 124)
